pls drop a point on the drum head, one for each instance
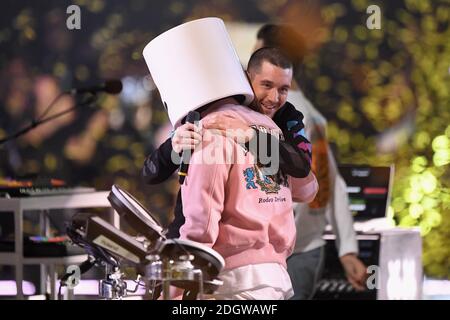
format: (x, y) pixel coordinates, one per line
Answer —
(205, 258)
(139, 218)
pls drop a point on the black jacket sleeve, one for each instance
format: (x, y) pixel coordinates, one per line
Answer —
(295, 150)
(159, 166)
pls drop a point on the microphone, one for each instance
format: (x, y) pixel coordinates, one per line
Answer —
(109, 86)
(192, 117)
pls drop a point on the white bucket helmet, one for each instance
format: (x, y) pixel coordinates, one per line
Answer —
(194, 64)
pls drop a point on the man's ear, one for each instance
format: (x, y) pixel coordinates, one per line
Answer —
(250, 82)
(249, 77)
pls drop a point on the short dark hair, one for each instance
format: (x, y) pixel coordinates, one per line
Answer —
(272, 55)
(286, 38)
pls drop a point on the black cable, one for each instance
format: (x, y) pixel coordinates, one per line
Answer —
(93, 250)
(139, 283)
(59, 291)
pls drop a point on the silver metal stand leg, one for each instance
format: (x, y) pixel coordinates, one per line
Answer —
(166, 289)
(18, 247)
(44, 224)
(43, 278)
(114, 218)
(166, 277)
(200, 284)
(150, 287)
(53, 279)
(69, 294)
(19, 280)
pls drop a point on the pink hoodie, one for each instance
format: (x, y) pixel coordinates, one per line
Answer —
(234, 209)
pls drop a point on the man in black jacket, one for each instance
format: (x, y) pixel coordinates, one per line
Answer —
(293, 160)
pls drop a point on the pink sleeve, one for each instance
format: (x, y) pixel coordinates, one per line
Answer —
(203, 196)
(304, 189)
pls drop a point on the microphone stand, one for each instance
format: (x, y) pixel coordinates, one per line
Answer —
(36, 123)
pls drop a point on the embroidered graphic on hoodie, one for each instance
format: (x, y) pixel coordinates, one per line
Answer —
(249, 175)
(266, 183)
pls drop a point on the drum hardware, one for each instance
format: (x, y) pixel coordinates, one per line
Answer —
(181, 269)
(161, 262)
(153, 270)
(138, 282)
(98, 256)
(166, 272)
(200, 292)
(178, 262)
(181, 273)
(113, 287)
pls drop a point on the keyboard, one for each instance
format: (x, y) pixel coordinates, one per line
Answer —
(42, 191)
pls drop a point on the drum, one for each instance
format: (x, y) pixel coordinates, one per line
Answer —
(138, 217)
(177, 261)
(184, 259)
(188, 255)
